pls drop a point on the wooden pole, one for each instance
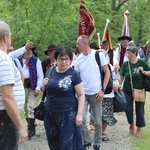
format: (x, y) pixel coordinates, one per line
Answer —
(99, 41)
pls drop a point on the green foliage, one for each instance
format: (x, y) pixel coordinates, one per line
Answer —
(48, 21)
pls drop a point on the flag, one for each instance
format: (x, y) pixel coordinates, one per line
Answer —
(125, 28)
(106, 35)
(86, 22)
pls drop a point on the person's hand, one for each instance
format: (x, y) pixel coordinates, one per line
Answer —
(141, 69)
(22, 135)
(78, 120)
(28, 45)
(45, 81)
(36, 93)
(115, 87)
(117, 68)
(99, 96)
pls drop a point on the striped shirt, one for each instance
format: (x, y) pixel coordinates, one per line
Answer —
(9, 74)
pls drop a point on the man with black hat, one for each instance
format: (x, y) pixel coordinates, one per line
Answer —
(51, 60)
(121, 51)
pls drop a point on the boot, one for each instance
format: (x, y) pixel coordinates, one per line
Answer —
(31, 127)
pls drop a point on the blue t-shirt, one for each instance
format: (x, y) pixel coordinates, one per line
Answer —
(60, 91)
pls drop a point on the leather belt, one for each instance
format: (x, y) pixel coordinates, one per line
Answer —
(3, 113)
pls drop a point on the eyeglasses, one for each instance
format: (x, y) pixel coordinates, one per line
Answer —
(64, 59)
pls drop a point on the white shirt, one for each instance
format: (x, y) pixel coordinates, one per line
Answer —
(9, 74)
(17, 53)
(89, 71)
(111, 95)
(115, 61)
(39, 69)
(117, 55)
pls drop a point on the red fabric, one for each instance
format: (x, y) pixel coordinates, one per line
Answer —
(107, 37)
(110, 54)
(122, 53)
(86, 23)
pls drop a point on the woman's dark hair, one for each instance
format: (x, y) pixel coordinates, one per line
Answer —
(132, 49)
(63, 50)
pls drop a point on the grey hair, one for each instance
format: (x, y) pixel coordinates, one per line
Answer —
(132, 49)
(85, 39)
(4, 29)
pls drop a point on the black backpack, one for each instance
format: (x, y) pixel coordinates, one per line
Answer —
(110, 83)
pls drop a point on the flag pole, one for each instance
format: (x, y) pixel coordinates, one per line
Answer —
(99, 41)
(107, 22)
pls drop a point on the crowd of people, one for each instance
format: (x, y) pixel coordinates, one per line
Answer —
(73, 87)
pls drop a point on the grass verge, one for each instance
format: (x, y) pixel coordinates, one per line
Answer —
(143, 143)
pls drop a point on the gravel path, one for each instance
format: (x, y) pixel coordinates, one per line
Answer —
(119, 137)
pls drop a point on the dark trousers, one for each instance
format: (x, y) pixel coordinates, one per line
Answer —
(61, 131)
(139, 111)
(8, 134)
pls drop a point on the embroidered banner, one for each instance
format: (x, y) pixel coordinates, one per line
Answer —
(86, 22)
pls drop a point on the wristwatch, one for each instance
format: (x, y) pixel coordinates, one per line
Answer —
(103, 89)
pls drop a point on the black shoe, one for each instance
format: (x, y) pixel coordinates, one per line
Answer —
(86, 146)
(96, 147)
(31, 127)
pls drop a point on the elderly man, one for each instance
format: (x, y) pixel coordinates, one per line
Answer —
(120, 52)
(12, 96)
(94, 90)
(33, 78)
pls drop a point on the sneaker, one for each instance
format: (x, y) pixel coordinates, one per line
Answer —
(131, 128)
(96, 147)
(86, 146)
(138, 133)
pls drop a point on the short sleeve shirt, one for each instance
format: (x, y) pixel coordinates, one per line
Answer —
(9, 75)
(136, 75)
(60, 91)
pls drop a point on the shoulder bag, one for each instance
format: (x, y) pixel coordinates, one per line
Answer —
(119, 101)
(40, 109)
(137, 94)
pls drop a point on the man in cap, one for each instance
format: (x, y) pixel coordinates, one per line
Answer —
(51, 60)
(33, 78)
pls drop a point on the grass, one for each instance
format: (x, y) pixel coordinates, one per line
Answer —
(143, 143)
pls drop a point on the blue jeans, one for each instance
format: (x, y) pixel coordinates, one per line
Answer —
(139, 111)
(62, 132)
(8, 134)
(97, 113)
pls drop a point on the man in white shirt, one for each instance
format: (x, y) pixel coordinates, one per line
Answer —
(89, 71)
(12, 96)
(33, 78)
(120, 52)
(110, 57)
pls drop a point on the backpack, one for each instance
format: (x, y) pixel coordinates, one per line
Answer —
(110, 82)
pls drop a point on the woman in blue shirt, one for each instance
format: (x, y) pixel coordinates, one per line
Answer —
(64, 104)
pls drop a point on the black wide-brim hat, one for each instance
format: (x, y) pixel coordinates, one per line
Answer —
(51, 47)
(33, 47)
(124, 37)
